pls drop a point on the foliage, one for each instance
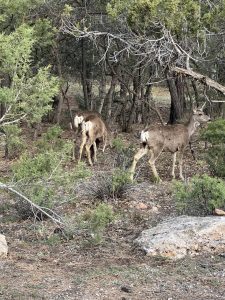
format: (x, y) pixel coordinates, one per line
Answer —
(179, 16)
(215, 156)
(110, 186)
(29, 94)
(14, 142)
(44, 177)
(97, 220)
(118, 144)
(51, 140)
(120, 180)
(124, 155)
(199, 196)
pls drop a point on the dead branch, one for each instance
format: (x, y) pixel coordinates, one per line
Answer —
(202, 78)
(54, 217)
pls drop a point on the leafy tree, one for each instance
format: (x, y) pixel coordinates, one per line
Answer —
(29, 94)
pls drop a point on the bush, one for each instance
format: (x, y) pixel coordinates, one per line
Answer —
(98, 219)
(120, 181)
(111, 186)
(51, 140)
(44, 179)
(124, 155)
(14, 144)
(200, 196)
(215, 157)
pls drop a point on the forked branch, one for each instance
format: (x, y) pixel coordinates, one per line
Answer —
(54, 217)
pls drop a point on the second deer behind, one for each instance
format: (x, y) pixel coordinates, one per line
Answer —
(172, 138)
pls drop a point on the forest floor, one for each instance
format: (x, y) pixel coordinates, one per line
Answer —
(41, 266)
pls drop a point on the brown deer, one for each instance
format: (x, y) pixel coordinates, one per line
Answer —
(94, 130)
(80, 117)
(172, 138)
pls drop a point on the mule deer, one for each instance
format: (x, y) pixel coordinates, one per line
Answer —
(172, 138)
(93, 129)
(79, 118)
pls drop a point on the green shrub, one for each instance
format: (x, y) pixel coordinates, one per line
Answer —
(98, 219)
(118, 144)
(15, 144)
(215, 156)
(44, 179)
(110, 186)
(51, 140)
(120, 181)
(124, 155)
(200, 196)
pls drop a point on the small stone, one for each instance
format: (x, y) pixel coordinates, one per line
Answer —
(126, 289)
(3, 246)
(141, 205)
(154, 209)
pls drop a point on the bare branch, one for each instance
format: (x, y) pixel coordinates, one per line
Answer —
(54, 217)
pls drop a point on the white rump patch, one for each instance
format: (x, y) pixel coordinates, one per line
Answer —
(78, 121)
(86, 126)
(144, 136)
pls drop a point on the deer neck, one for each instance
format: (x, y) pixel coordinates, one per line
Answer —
(191, 126)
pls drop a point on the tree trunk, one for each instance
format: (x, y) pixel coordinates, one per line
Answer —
(109, 96)
(84, 74)
(102, 90)
(176, 88)
(59, 71)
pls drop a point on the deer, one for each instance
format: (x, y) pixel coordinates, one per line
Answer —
(173, 138)
(79, 118)
(93, 129)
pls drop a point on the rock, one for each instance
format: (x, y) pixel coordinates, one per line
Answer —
(154, 209)
(219, 212)
(141, 205)
(126, 289)
(177, 237)
(3, 246)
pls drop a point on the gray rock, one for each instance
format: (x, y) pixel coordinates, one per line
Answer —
(3, 246)
(177, 237)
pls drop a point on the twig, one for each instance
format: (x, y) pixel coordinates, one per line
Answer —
(7, 187)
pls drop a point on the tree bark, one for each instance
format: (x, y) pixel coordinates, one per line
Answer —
(176, 88)
(59, 70)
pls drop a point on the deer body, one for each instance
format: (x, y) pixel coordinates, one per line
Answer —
(79, 118)
(172, 138)
(93, 129)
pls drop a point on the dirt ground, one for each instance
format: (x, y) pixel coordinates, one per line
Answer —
(40, 265)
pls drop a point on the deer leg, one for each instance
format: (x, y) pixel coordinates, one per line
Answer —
(181, 165)
(95, 151)
(73, 151)
(87, 147)
(84, 140)
(154, 155)
(174, 164)
(104, 143)
(141, 152)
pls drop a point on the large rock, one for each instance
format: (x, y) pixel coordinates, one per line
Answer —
(177, 237)
(3, 246)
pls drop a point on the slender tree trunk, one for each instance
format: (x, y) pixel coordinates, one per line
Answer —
(147, 104)
(176, 88)
(59, 70)
(102, 90)
(84, 74)
(195, 92)
(109, 96)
